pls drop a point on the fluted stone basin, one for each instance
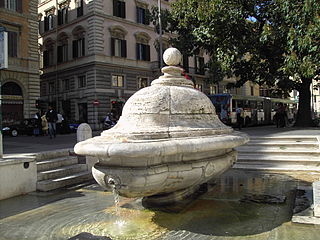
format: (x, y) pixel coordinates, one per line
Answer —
(167, 142)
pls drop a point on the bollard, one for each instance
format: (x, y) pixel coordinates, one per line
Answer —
(84, 132)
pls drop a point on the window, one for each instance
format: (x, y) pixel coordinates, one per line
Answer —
(82, 81)
(62, 15)
(118, 47)
(213, 89)
(117, 81)
(47, 58)
(251, 91)
(66, 84)
(142, 16)
(62, 53)
(143, 52)
(119, 8)
(79, 7)
(198, 86)
(14, 5)
(185, 63)
(78, 48)
(199, 65)
(48, 22)
(142, 82)
(51, 87)
(12, 44)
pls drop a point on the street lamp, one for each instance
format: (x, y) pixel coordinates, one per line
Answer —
(3, 65)
(160, 33)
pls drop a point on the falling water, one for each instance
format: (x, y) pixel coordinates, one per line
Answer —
(119, 222)
(116, 200)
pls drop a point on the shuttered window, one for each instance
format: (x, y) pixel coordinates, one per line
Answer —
(14, 5)
(118, 47)
(185, 61)
(78, 48)
(199, 65)
(47, 58)
(143, 52)
(48, 22)
(62, 53)
(62, 16)
(79, 6)
(119, 8)
(12, 44)
(142, 16)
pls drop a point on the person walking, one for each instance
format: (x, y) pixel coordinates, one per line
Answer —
(44, 124)
(37, 124)
(52, 118)
(239, 112)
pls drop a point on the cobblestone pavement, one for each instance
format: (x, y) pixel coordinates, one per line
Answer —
(32, 144)
(220, 213)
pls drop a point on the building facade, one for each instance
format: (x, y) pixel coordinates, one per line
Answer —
(97, 53)
(20, 84)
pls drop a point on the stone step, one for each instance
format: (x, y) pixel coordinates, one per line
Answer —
(41, 156)
(274, 167)
(56, 163)
(278, 151)
(48, 185)
(286, 139)
(61, 171)
(279, 158)
(283, 144)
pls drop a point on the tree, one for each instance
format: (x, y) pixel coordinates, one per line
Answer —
(272, 42)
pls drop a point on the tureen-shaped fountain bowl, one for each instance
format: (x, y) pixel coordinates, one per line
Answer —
(168, 139)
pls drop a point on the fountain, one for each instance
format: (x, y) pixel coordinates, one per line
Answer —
(167, 142)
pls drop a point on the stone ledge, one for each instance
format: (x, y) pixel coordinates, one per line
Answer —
(316, 198)
(307, 201)
(16, 159)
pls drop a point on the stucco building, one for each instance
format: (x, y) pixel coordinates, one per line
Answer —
(97, 53)
(20, 84)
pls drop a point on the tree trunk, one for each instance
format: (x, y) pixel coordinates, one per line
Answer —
(304, 109)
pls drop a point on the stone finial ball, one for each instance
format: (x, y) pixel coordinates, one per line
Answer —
(172, 56)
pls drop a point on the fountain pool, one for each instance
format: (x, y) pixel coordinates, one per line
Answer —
(216, 214)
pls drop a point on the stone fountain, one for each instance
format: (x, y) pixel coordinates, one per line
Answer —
(167, 142)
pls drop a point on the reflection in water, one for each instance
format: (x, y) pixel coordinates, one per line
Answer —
(217, 214)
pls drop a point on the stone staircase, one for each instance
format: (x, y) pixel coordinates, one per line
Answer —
(59, 169)
(282, 153)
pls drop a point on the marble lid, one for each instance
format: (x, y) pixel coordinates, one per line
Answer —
(170, 107)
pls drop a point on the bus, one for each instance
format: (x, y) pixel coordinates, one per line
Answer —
(256, 110)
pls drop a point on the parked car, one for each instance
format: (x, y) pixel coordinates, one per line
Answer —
(25, 127)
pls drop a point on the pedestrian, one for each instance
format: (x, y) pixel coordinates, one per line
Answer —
(52, 118)
(280, 116)
(224, 115)
(44, 124)
(37, 124)
(240, 115)
(59, 122)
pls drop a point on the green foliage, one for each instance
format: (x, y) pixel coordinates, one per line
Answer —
(263, 41)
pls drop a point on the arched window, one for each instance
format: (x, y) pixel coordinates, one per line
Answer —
(11, 88)
(118, 42)
(62, 50)
(78, 44)
(142, 46)
(48, 55)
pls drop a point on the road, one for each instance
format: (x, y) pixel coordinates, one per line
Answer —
(32, 144)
